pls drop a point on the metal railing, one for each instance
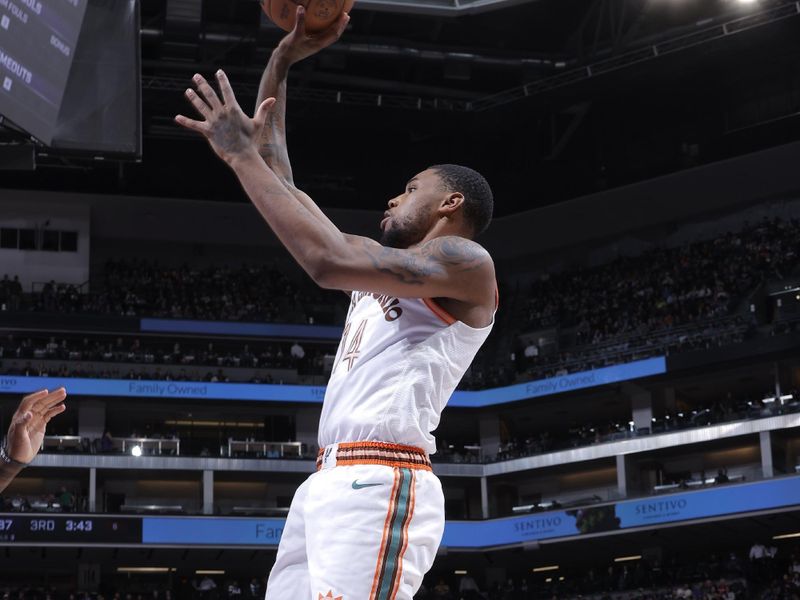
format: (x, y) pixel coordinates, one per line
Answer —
(265, 449)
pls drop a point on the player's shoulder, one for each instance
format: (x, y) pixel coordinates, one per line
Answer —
(459, 251)
(457, 248)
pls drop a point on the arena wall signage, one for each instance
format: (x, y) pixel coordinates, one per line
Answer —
(627, 515)
(188, 390)
(726, 500)
(564, 383)
(630, 514)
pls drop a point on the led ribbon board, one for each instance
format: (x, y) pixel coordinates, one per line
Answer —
(720, 501)
(188, 390)
(627, 515)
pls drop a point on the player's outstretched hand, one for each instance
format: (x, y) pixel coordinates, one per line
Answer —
(28, 424)
(230, 132)
(298, 44)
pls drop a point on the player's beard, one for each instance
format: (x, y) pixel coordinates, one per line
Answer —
(411, 231)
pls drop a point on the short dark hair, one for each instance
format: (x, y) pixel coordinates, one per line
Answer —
(478, 198)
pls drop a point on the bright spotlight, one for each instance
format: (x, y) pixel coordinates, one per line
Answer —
(136, 451)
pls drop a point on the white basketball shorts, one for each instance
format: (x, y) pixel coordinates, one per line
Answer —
(365, 526)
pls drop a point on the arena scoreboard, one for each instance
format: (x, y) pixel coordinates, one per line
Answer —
(77, 529)
(37, 47)
(731, 500)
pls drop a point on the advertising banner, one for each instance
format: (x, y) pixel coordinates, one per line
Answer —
(190, 390)
(627, 515)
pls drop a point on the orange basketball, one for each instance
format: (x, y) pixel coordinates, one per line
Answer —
(319, 13)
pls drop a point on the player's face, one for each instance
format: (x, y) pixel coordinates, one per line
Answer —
(412, 214)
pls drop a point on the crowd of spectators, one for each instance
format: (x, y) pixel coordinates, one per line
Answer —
(738, 575)
(158, 359)
(531, 364)
(728, 576)
(62, 501)
(141, 288)
(664, 287)
(663, 301)
(634, 305)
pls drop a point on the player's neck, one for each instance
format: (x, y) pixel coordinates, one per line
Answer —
(444, 228)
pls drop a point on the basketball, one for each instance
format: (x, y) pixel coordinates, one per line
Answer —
(320, 14)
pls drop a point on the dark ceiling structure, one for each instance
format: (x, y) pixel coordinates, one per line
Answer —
(551, 99)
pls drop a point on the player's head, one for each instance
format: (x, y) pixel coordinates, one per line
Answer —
(454, 193)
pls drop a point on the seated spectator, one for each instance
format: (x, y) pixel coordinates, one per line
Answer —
(106, 442)
(66, 500)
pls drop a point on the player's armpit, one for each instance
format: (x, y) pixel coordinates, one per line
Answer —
(445, 267)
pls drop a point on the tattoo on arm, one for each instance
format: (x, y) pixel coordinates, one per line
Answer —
(273, 147)
(436, 257)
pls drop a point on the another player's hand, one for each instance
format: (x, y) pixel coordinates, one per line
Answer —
(298, 44)
(229, 131)
(28, 424)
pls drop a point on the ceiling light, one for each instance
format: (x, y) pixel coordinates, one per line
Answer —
(628, 558)
(545, 569)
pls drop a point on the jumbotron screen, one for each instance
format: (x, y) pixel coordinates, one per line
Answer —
(37, 46)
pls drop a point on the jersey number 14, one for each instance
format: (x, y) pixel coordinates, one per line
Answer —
(353, 346)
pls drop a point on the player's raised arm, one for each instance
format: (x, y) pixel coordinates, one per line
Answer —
(293, 48)
(428, 218)
(26, 432)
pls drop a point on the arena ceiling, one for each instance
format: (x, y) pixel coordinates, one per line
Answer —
(551, 99)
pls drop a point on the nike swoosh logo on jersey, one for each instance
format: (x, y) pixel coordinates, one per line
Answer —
(358, 486)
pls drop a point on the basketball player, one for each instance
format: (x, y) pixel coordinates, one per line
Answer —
(26, 432)
(368, 523)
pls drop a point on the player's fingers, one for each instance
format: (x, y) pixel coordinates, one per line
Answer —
(30, 399)
(198, 103)
(260, 118)
(227, 91)
(207, 92)
(56, 410)
(198, 126)
(300, 21)
(49, 400)
(341, 24)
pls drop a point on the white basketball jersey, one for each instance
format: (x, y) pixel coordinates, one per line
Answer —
(398, 362)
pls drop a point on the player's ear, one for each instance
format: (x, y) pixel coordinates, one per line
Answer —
(451, 203)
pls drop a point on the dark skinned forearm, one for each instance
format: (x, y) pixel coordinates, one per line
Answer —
(310, 241)
(273, 145)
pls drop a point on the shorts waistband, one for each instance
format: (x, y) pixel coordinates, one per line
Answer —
(372, 453)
